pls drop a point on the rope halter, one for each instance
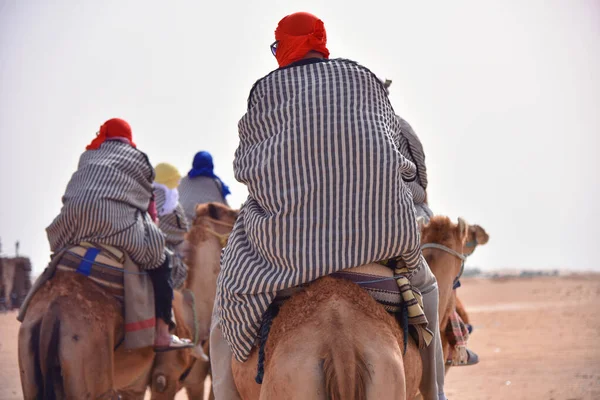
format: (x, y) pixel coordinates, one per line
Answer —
(222, 237)
(456, 254)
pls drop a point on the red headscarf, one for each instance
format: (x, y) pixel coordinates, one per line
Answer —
(113, 128)
(298, 34)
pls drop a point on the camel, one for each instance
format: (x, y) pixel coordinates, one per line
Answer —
(476, 235)
(333, 341)
(22, 280)
(67, 344)
(206, 238)
(9, 267)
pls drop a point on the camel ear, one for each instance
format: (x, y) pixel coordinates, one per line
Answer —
(463, 229)
(480, 234)
(199, 208)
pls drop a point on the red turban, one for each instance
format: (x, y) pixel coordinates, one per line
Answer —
(297, 34)
(113, 128)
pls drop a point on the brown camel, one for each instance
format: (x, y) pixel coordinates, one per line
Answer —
(67, 344)
(207, 236)
(333, 341)
(9, 268)
(437, 258)
(22, 280)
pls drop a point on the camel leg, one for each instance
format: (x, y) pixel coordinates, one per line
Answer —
(194, 383)
(133, 371)
(195, 392)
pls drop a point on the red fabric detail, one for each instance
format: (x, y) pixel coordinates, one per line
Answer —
(152, 210)
(113, 128)
(298, 34)
(138, 326)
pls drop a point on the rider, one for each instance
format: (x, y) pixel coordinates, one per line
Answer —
(171, 217)
(411, 147)
(108, 201)
(201, 185)
(318, 154)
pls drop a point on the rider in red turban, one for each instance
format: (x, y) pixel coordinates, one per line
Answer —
(115, 128)
(298, 34)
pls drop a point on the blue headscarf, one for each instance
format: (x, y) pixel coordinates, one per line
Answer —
(203, 166)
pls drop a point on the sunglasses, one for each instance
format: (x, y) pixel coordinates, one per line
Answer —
(274, 47)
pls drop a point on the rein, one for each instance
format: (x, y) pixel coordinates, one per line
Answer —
(222, 237)
(456, 254)
(196, 333)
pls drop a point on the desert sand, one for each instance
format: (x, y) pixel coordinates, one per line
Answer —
(536, 338)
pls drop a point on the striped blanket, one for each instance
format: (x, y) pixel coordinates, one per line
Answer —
(106, 202)
(174, 225)
(318, 154)
(457, 335)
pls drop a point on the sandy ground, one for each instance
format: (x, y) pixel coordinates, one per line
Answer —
(537, 339)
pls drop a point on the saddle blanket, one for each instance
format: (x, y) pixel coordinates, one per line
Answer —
(114, 271)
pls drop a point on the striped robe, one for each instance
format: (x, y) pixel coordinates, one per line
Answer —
(410, 146)
(325, 178)
(106, 202)
(174, 225)
(198, 190)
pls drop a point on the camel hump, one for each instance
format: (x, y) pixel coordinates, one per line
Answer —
(344, 366)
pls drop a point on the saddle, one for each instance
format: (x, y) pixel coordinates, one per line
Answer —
(395, 294)
(114, 271)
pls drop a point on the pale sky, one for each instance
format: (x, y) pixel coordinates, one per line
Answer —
(505, 96)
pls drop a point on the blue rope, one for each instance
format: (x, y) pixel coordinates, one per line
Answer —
(263, 335)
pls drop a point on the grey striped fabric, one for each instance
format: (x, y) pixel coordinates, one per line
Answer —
(198, 190)
(174, 225)
(325, 180)
(411, 147)
(106, 202)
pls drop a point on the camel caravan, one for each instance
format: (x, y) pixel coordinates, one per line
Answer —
(15, 280)
(333, 280)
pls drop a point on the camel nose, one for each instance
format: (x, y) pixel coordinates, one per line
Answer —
(161, 383)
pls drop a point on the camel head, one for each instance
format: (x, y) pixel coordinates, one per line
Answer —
(476, 236)
(208, 236)
(445, 266)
